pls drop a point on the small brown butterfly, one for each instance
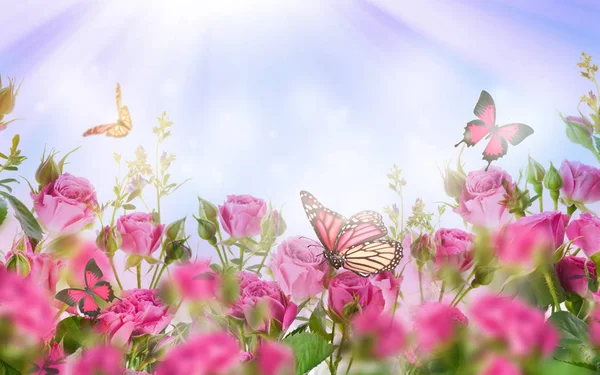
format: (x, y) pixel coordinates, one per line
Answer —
(118, 129)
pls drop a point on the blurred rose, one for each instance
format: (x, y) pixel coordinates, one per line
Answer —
(240, 215)
(246, 357)
(274, 358)
(594, 326)
(479, 203)
(348, 287)
(453, 248)
(522, 328)
(518, 242)
(133, 372)
(196, 281)
(67, 204)
(382, 332)
(76, 264)
(581, 183)
(139, 312)
(437, 325)
(585, 233)
(297, 267)
(389, 286)
(500, 366)
(571, 273)
(103, 360)
(205, 354)
(53, 360)
(140, 235)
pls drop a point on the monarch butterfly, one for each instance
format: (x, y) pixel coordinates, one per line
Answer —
(352, 243)
(94, 287)
(118, 129)
(486, 127)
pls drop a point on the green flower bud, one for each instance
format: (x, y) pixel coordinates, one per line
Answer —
(579, 131)
(175, 229)
(109, 240)
(273, 225)
(20, 263)
(421, 249)
(177, 250)
(206, 229)
(48, 171)
(210, 211)
(553, 180)
(454, 183)
(483, 276)
(8, 95)
(535, 172)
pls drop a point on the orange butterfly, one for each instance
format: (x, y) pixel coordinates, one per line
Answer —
(118, 129)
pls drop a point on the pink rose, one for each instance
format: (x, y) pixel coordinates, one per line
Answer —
(54, 359)
(66, 205)
(76, 264)
(594, 326)
(479, 203)
(389, 286)
(298, 267)
(500, 366)
(453, 248)
(384, 335)
(518, 242)
(205, 354)
(140, 235)
(581, 183)
(241, 215)
(246, 278)
(437, 325)
(522, 328)
(571, 273)
(196, 281)
(275, 359)
(347, 287)
(139, 312)
(246, 357)
(585, 233)
(267, 294)
(103, 360)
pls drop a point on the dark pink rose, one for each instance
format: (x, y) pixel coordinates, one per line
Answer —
(384, 335)
(298, 267)
(246, 278)
(347, 287)
(53, 359)
(519, 242)
(66, 205)
(581, 183)
(210, 353)
(500, 366)
(479, 203)
(139, 312)
(275, 359)
(571, 273)
(522, 328)
(267, 294)
(437, 325)
(103, 360)
(241, 215)
(140, 235)
(196, 281)
(453, 247)
(389, 286)
(585, 233)
(246, 357)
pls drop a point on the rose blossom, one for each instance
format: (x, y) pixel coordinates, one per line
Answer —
(140, 236)
(581, 183)
(67, 204)
(297, 267)
(479, 203)
(500, 366)
(585, 233)
(347, 287)
(385, 334)
(103, 360)
(196, 281)
(522, 328)
(76, 263)
(139, 312)
(275, 359)
(241, 215)
(211, 353)
(437, 324)
(453, 247)
(389, 286)
(572, 276)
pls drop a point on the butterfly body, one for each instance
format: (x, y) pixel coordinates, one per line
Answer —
(119, 128)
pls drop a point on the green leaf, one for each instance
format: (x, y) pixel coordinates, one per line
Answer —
(557, 367)
(300, 329)
(569, 326)
(235, 261)
(3, 210)
(309, 349)
(28, 222)
(74, 332)
(133, 261)
(6, 369)
(133, 195)
(316, 322)
(61, 162)
(128, 207)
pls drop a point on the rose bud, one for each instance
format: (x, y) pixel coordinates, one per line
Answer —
(48, 171)
(209, 210)
(454, 183)
(8, 95)
(18, 262)
(174, 230)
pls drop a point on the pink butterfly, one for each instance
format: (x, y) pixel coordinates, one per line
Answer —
(499, 136)
(94, 287)
(352, 243)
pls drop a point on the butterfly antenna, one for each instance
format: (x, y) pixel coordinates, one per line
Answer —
(456, 145)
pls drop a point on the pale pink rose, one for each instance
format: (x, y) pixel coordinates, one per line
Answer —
(382, 332)
(139, 234)
(298, 267)
(581, 183)
(76, 264)
(518, 242)
(522, 328)
(453, 247)
(241, 215)
(139, 312)
(594, 326)
(479, 203)
(585, 232)
(500, 366)
(54, 360)
(436, 325)
(205, 354)
(389, 286)
(196, 281)
(347, 287)
(246, 277)
(67, 204)
(572, 276)
(103, 360)
(275, 359)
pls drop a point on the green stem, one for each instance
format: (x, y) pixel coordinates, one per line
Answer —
(262, 263)
(332, 340)
(541, 201)
(138, 269)
(222, 246)
(550, 283)
(112, 265)
(421, 283)
(338, 358)
(241, 257)
(349, 365)
(219, 254)
(62, 310)
(442, 291)
(162, 254)
(571, 209)
(156, 182)
(464, 294)
(155, 284)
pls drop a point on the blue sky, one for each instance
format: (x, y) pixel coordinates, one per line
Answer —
(271, 97)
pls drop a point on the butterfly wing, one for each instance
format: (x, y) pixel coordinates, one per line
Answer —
(93, 274)
(117, 131)
(104, 290)
(362, 227)
(485, 109)
(372, 257)
(495, 149)
(326, 223)
(125, 117)
(88, 306)
(118, 97)
(474, 132)
(71, 296)
(515, 133)
(96, 130)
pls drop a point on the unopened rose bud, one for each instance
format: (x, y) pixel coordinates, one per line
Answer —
(48, 171)
(535, 172)
(20, 263)
(206, 229)
(553, 181)
(421, 249)
(8, 96)
(109, 240)
(273, 226)
(209, 210)
(579, 131)
(177, 250)
(483, 276)
(175, 229)
(454, 183)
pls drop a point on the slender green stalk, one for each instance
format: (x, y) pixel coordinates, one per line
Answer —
(349, 365)
(241, 257)
(154, 284)
(442, 291)
(138, 269)
(262, 263)
(541, 201)
(550, 283)
(421, 283)
(332, 340)
(464, 294)
(62, 310)
(338, 357)
(222, 246)
(156, 184)
(112, 265)
(162, 254)
(571, 210)
(219, 254)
